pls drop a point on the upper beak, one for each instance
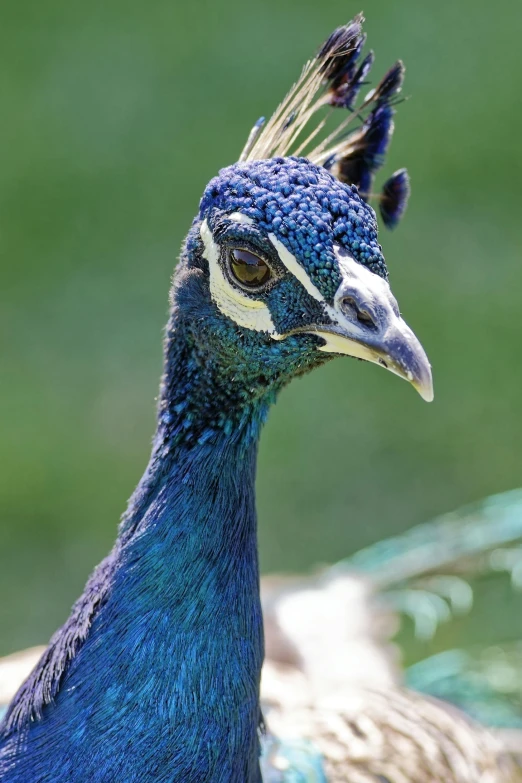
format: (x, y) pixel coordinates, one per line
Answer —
(398, 351)
(366, 324)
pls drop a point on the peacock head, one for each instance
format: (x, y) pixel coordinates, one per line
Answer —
(282, 268)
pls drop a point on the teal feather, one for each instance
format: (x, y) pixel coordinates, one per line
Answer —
(459, 555)
(485, 683)
(456, 541)
(292, 761)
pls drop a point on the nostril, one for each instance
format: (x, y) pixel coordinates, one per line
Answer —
(350, 308)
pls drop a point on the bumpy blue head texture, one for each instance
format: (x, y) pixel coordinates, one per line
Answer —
(307, 208)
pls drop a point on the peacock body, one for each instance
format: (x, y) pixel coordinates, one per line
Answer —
(155, 676)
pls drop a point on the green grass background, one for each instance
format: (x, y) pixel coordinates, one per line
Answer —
(115, 114)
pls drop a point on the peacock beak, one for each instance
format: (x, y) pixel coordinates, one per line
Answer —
(366, 324)
(398, 350)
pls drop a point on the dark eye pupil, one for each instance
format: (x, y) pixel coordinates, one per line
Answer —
(248, 268)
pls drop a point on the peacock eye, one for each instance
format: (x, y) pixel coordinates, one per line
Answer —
(249, 270)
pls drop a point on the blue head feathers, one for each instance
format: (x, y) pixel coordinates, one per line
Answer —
(307, 208)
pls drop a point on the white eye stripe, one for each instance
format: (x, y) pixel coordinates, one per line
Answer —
(285, 256)
(295, 268)
(238, 217)
(373, 284)
(244, 311)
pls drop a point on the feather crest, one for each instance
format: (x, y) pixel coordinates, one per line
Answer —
(333, 80)
(394, 198)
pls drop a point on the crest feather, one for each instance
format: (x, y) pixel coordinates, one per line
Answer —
(394, 198)
(332, 80)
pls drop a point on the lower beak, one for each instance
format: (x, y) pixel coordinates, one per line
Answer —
(397, 350)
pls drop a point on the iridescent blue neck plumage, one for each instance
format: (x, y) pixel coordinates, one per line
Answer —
(164, 683)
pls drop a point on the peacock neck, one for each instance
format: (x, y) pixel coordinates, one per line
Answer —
(190, 534)
(207, 421)
(175, 647)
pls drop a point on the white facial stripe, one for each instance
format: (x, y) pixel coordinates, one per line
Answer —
(238, 217)
(295, 268)
(372, 289)
(250, 313)
(372, 286)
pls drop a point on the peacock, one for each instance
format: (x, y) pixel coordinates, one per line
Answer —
(155, 675)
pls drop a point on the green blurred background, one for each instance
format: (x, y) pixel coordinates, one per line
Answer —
(115, 114)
